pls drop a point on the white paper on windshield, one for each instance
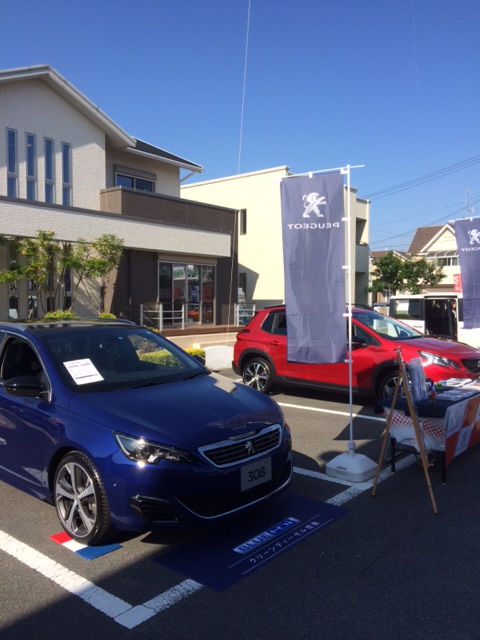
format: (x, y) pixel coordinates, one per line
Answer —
(83, 371)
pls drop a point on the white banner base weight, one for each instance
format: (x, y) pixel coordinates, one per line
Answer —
(351, 466)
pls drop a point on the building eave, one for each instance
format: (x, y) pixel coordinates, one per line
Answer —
(436, 236)
(176, 162)
(116, 135)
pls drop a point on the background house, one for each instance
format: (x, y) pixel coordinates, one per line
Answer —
(256, 197)
(65, 166)
(438, 244)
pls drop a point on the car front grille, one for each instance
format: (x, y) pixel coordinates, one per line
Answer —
(217, 504)
(472, 364)
(230, 452)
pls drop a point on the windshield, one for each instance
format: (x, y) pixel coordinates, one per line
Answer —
(103, 358)
(385, 326)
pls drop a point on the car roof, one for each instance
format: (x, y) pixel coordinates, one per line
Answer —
(48, 325)
(281, 307)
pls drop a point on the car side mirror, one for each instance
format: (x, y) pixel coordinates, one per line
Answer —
(24, 386)
(358, 343)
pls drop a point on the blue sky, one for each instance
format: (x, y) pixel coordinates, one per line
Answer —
(393, 85)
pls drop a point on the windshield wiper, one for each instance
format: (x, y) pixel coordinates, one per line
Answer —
(151, 383)
(194, 375)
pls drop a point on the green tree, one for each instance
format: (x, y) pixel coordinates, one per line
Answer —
(95, 259)
(45, 260)
(392, 274)
(419, 273)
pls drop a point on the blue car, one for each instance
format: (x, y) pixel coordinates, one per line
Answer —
(121, 429)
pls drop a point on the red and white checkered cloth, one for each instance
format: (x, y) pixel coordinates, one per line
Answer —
(432, 430)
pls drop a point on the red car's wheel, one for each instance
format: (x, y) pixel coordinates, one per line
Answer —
(258, 374)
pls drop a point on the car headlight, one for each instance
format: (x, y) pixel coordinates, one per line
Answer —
(144, 451)
(440, 361)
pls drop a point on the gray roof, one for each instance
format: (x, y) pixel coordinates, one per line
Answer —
(151, 150)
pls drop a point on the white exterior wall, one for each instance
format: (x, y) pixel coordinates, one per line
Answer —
(260, 252)
(32, 107)
(24, 219)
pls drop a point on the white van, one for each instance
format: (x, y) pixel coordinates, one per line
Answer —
(435, 314)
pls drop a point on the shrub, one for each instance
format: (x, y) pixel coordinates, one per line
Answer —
(162, 357)
(60, 315)
(195, 352)
(105, 314)
(166, 359)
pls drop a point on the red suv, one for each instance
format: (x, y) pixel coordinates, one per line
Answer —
(260, 355)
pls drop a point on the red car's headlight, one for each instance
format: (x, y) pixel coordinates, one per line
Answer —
(440, 361)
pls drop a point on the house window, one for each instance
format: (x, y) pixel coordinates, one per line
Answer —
(49, 171)
(31, 164)
(447, 262)
(134, 182)
(12, 163)
(66, 175)
(243, 222)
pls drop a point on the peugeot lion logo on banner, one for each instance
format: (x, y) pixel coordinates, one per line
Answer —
(312, 203)
(474, 236)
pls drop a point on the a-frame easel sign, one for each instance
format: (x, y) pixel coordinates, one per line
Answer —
(409, 384)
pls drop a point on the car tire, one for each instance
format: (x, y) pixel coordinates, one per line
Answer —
(80, 500)
(387, 384)
(258, 373)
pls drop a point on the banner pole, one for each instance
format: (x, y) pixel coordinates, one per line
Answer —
(313, 173)
(351, 444)
(351, 465)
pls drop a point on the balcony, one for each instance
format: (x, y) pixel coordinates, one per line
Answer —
(167, 210)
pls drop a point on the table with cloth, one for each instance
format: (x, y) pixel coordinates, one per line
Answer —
(449, 424)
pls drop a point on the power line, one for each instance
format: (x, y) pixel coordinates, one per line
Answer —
(435, 175)
(243, 89)
(417, 215)
(435, 222)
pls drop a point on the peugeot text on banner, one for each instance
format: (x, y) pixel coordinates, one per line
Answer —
(467, 233)
(314, 257)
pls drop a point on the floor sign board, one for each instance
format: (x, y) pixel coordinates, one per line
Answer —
(233, 551)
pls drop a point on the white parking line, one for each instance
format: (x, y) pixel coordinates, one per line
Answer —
(336, 413)
(130, 616)
(122, 612)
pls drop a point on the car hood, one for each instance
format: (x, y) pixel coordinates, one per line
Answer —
(186, 414)
(447, 348)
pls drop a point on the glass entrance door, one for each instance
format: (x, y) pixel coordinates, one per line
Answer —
(189, 289)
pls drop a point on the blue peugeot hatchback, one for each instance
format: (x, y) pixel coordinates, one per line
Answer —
(121, 429)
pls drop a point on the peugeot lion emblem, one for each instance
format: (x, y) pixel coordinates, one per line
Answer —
(249, 448)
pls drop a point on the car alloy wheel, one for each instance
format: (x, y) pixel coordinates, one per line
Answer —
(387, 385)
(258, 374)
(80, 500)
